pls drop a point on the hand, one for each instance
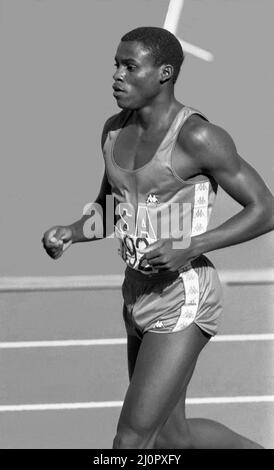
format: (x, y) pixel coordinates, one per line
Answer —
(161, 255)
(56, 240)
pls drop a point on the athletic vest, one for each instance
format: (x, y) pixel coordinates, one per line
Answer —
(153, 202)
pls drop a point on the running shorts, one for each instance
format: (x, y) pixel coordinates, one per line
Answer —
(167, 301)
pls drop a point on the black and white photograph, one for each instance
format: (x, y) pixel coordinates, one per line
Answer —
(137, 227)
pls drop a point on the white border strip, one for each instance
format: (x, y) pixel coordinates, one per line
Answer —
(114, 281)
(119, 341)
(174, 12)
(119, 404)
(197, 51)
(171, 23)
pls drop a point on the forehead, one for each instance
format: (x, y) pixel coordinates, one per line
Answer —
(133, 50)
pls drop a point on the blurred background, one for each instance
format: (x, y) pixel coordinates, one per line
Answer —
(57, 60)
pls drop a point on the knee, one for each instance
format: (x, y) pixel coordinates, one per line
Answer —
(174, 442)
(121, 442)
(128, 438)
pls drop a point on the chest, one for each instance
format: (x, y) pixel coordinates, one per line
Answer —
(133, 151)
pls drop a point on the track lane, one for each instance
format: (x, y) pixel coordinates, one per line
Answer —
(58, 375)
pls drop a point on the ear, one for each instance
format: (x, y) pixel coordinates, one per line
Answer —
(166, 73)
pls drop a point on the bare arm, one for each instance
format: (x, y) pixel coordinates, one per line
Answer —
(58, 238)
(214, 153)
(77, 227)
(217, 156)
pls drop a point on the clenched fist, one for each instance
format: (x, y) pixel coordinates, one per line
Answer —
(56, 240)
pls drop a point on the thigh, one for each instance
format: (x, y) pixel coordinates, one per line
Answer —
(133, 346)
(160, 375)
(175, 431)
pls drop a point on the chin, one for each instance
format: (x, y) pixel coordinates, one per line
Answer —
(125, 103)
(122, 106)
(125, 106)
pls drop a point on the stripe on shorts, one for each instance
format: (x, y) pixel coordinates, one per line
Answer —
(188, 275)
(192, 295)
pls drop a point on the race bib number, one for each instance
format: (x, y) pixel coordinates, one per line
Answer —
(130, 251)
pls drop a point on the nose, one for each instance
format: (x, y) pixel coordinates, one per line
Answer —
(119, 74)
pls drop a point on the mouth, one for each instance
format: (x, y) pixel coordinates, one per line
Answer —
(118, 94)
(117, 90)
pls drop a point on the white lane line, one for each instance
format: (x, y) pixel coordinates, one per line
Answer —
(220, 400)
(248, 337)
(62, 406)
(119, 404)
(62, 344)
(118, 341)
(114, 281)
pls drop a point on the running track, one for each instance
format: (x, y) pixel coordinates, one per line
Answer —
(230, 369)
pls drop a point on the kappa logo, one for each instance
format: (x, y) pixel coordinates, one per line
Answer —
(159, 324)
(189, 312)
(201, 200)
(192, 290)
(152, 200)
(190, 276)
(192, 301)
(199, 213)
(202, 186)
(199, 227)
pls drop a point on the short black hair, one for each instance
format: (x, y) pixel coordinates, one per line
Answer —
(163, 46)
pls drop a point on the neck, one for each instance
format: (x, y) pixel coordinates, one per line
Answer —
(158, 113)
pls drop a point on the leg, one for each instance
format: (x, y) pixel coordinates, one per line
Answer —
(171, 432)
(197, 433)
(133, 346)
(175, 433)
(179, 432)
(208, 434)
(162, 367)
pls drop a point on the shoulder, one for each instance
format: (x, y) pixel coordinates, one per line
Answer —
(111, 124)
(209, 143)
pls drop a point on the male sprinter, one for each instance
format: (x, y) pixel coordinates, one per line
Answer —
(159, 152)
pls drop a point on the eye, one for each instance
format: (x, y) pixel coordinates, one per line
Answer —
(131, 67)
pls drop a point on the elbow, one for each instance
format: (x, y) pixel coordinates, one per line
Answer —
(271, 213)
(272, 219)
(267, 215)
